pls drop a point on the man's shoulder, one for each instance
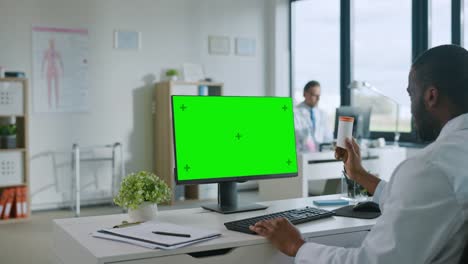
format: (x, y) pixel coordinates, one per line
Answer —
(428, 156)
(447, 148)
(301, 108)
(438, 168)
(444, 156)
(301, 105)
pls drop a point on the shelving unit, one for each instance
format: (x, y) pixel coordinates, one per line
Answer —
(164, 152)
(14, 103)
(13, 150)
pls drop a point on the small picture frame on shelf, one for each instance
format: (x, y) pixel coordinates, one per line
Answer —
(193, 72)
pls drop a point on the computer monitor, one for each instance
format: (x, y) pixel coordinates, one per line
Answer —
(361, 120)
(230, 139)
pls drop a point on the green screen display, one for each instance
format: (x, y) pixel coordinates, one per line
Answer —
(218, 137)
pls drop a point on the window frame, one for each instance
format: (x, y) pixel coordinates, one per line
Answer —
(291, 62)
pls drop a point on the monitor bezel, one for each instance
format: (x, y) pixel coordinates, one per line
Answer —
(355, 111)
(228, 179)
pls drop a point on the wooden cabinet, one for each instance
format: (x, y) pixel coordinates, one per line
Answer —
(164, 148)
(14, 160)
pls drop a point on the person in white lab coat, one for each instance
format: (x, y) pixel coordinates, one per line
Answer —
(425, 204)
(314, 118)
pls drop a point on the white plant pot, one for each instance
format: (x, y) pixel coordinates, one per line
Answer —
(146, 211)
(173, 78)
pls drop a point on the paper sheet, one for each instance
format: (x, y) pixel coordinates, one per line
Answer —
(146, 245)
(142, 235)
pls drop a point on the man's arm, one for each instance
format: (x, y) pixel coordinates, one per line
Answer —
(353, 164)
(378, 196)
(355, 170)
(412, 229)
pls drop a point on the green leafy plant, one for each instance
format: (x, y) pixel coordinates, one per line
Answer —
(8, 130)
(140, 187)
(172, 72)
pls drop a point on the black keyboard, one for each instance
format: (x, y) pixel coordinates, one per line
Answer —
(295, 216)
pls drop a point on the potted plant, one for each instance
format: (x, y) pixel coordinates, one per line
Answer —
(172, 74)
(141, 193)
(8, 133)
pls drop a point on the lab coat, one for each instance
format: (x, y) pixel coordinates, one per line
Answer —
(321, 134)
(424, 209)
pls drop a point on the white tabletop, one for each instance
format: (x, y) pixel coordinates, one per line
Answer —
(79, 230)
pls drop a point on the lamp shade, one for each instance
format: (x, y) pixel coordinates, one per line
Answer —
(365, 86)
(357, 85)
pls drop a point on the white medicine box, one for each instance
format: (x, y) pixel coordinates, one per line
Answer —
(11, 98)
(11, 168)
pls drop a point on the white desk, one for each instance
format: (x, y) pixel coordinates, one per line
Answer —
(323, 166)
(73, 244)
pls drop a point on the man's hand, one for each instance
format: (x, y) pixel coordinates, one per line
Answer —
(354, 168)
(281, 233)
(352, 163)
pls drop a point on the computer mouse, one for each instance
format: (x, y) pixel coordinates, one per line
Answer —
(367, 207)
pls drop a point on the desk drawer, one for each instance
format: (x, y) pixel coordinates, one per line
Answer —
(263, 253)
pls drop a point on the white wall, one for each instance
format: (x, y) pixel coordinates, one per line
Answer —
(173, 32)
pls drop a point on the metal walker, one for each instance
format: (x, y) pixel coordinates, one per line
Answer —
(76, 161)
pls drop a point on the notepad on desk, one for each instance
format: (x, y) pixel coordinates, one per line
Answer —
(155, 234)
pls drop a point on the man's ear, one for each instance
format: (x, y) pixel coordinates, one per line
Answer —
(431, 97)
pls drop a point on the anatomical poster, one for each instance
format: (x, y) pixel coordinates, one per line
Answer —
(60, 69)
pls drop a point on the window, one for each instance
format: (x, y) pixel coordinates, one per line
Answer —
(316, 51)
(440, 22)
(381, 52)
(382, 57)
(465, 26)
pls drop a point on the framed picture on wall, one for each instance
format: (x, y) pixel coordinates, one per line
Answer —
(127, 40)
(245, 47)
(219, 45)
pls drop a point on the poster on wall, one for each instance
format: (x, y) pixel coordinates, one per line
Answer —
(60, 69)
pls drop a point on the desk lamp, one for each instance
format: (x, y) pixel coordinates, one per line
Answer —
(360, 86)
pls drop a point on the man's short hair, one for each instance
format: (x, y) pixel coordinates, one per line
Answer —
(446, 68)
(310, 85)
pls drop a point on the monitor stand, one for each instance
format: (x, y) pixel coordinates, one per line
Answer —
(227, 201)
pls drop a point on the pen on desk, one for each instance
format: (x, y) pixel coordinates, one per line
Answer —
(170, 234)
(125, 224)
